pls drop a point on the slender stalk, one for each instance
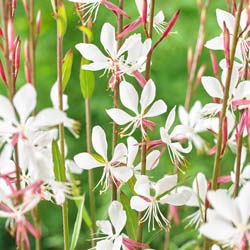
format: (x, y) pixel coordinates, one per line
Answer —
(61, 126)
(216, 169)
(116, 96)
(198, 50)
(144, 147)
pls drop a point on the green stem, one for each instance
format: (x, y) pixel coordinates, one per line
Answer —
(61, 127)
(218, 156)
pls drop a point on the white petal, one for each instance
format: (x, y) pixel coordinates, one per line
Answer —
(138, 204)
(6, 110)
(55, 97)
(142, 186)
(243, 90)
(159, 107)
(212, 86)
(215, 43)
(105, 226)
(104, 245)
(117, 216)
(176, 199)
(99, 142)
(119, 116)
(87, 161)
(152, 159)
(120, 153)
(95, 66)
(200, 186)
(25, 101)
(122, 173)
(244, 203)
(147, 95)
(243, 19)
(224, 16)
(170, 119)
(183, 115)
(91, 52)
(118, 243)
(132, 150)
(165, 184)
(129, 96)
(108, 39)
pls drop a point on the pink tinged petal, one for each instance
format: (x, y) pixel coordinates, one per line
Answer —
(25, 101)
(49, 117)
(91, 52)
(147, 95)
(104, 245)
(142, 186)
(218, 230)
(87, 161)
(120, 153)
(139, 204)
(6, 110)
(159, 107)
(108, 39)
(170, 119)
(212, 86)
(129, 96)
(229, 19)
(165, 184)
(119, 116)
(215, 44)
(117, 216)
(99, 142)
(122, 173)
(176, 199)
(105, 226)
(224, 205)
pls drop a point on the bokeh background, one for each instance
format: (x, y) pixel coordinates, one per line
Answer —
(169, 72)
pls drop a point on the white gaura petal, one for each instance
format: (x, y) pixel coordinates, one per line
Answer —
(147, 95)
(49, 117)
(122, 173)
(165, 184)
(212, 86)
(159, 18)
(99, 142)
(133, 149)
(243, 19)
(218, 230)
(224, 205)
(183, 115)
(200, 186)
(229, 19)
(25, 101)
(91, 52)
(86, 161)
(192, 201)
(130, 43)
(159, 107)
(215, 43)
(108, 39)
(234, 79)
(119, 116)
(129, 96)
(118, 243)
(104, 245)
(243, 202)
(170, 119)
(120, 153)
(243, 90)
(152, 159)
(139, 204)
(6, 110)
(142, 186)
(195, 114)
(105, 226)
(211, 109)
(95, 66)
(176, 198)
(117, 216)
(54, 97)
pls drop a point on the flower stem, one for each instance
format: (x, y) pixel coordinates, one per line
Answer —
(218, 156)
(61, 126)
(116, 96)
(144, 146)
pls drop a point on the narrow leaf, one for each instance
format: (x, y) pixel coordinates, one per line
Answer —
(67, 68)
(58, 162)
(88, 32)
(87, 81)
(78, 224)
(62, 19)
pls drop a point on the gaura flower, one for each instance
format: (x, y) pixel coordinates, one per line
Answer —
(228, 222)
(148, 108)
(129, 59)
(115, 168)
(151, 194)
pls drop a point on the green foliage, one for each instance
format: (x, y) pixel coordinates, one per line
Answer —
(67, 68)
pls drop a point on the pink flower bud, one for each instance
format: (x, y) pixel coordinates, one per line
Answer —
(27, 61)
(11, 35)
(189, 59)
(226, 39)
(17, 56)
(214, 64)
(144, 12)
(114, 8)
(26, 7)
(200, 74)
(2, 74)
(38, 22)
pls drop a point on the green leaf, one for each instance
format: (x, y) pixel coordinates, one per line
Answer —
(88, 32)
(58, 162)
(131, 225)
(66, 68)
(62, 19)
(86, 218)
(87, 81)
(78, 224)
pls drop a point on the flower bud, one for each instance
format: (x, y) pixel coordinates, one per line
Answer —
(38, 22)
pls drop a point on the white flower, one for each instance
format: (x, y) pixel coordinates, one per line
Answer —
(228, 223)
(170, 139)
(146, 200)
(112, 167)
(129, 58)
(129, 98)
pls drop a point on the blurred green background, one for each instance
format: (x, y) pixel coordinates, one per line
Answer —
(169, 72)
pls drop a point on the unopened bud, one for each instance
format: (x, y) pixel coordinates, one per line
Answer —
(26, 7)
(200, 74)
(11, 35)
(38, 22)
(214, 64)
(189, 59)
(27, 61)
(17, 56)
(144, 12)
(2, 74)
(226, 40)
